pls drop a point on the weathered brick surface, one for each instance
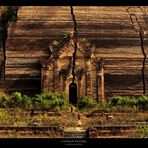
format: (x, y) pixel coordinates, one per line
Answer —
(109, 28)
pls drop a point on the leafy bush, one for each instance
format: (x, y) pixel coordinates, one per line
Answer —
(62, 101)
(126, 101)
(114, 100)
(26, 102)
(3, 100)
(142, 101)
(133, 102)
(50, 101)
(16, 99)
(87, 102)
(119, 100)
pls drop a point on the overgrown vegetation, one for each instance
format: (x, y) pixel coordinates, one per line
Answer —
(60, 44)
(49, 100)
(3, 100)
(13, 111)
(143, 131)
(115, 103)
(59, 101)
(87, 104)
(139, 103)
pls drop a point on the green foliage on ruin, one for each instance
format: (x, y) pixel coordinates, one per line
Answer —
(85, 42)
(59, 101)
(3, 100)
(60, 44)
(87, 102)
(50, 100)
(140, 103)
(47, 101)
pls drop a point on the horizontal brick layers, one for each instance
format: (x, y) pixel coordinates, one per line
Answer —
(109, 28)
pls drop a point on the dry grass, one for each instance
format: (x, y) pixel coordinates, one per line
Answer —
(19, 117)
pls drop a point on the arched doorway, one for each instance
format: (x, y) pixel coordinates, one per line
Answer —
(73, 93)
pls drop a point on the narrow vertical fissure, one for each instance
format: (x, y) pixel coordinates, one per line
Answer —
(75, 43)
(144, 60)
(137, 27)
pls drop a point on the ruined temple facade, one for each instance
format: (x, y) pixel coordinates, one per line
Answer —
(111, 57)
(89, 76)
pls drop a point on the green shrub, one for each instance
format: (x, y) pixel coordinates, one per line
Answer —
(3, 100)
(114, 100)
(47, 100)
(133, 102)
(36, 101)
(26, 102)
(15, 99)
(62, 101)
(87, 102)
(122, 102)
(45, 104)
(142, 101)
(50, 100)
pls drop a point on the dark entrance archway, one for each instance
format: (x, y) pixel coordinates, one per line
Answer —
(73, 93)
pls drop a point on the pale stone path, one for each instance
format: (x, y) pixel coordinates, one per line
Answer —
(75, 132)
(76, 127)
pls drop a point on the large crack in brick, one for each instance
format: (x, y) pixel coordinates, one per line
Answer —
(141, 33)
(75, 43)
(138, 28)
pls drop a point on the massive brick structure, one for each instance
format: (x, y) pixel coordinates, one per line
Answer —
(116, 65)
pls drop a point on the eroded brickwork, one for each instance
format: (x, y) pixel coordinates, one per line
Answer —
(109, 29)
